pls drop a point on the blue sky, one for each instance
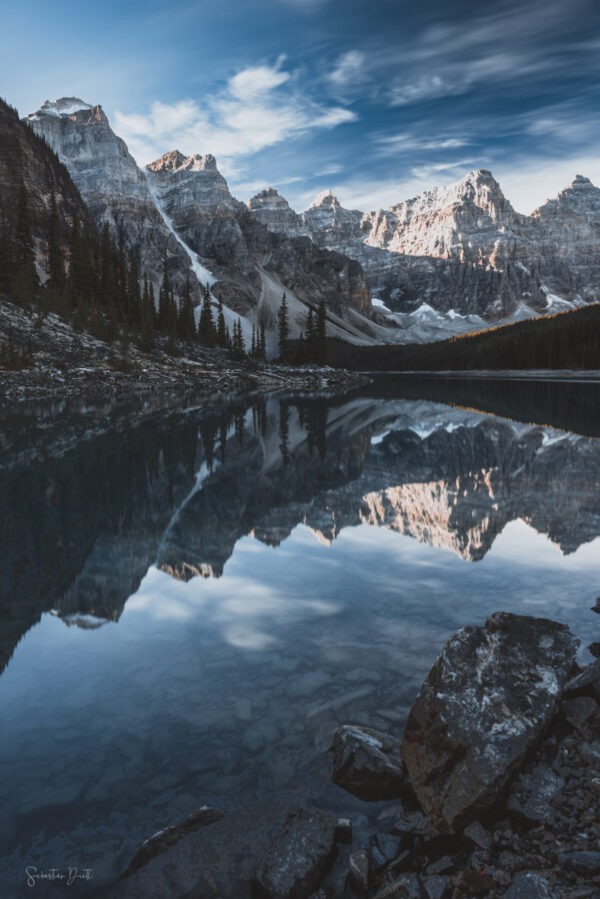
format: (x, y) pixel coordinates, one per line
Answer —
(375, 100)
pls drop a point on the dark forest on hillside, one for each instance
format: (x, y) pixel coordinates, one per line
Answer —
(569, 340)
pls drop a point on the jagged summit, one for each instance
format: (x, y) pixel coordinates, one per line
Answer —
(276, 214)
(325, 198)
(167, 162)
(175, 161)
(65, 106)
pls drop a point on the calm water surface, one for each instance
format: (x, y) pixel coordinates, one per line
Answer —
(191, 600)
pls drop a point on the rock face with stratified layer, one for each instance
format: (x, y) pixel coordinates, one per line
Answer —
(109, 180)
(276, 214)
(463, 248)
(182, 205)
(481, 711)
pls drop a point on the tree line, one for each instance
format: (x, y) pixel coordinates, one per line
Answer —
(311, 345)
(567, 340)
(95, 284)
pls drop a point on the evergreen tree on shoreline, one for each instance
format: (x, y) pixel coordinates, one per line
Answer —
(283, 327)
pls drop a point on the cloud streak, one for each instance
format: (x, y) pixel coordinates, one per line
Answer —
(259, 107)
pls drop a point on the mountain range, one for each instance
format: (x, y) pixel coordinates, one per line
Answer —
(453, 259)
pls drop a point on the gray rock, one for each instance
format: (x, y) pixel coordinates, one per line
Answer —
(529, 886)
(532, 794)
(299, 857)
(436, 886)
(411, 823)
(583, 862)
(441, 865)
(358, 871)
(164, 839)
(367, 763)
(582, 713)
(586, 683)
(478, 834)
(481, 711)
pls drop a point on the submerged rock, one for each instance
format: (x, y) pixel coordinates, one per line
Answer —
(299, 857)
(481, 711)
(367, 763)
(164, 839)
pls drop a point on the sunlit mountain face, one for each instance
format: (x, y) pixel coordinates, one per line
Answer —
(193, 598)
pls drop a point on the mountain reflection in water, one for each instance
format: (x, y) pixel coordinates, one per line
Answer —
(235, 581)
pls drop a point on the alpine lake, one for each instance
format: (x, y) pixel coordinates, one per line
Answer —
(193, 598)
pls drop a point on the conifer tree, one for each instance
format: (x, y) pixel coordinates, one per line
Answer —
(222, 335)
(253, 344)
(311, 337)
(263, 344)
(56, 267)
(7, 253)
(134, 296)
(238, 349)
(186, 325)
(207, 334)
(282, 319)
(25, 280)
(321, 334)
(147, 323)
(164, 296)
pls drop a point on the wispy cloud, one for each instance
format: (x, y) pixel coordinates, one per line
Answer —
(394, 144)
(349, 68)
(260, 106)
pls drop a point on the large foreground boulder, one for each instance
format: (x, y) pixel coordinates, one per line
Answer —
(481, 711)
(367, 763)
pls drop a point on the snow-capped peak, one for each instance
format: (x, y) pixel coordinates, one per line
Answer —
(65, 106)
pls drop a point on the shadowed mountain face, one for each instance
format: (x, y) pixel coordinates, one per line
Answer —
(89, 502)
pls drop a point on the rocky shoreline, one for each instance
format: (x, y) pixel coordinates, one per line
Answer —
(64, 364)
(493, 791)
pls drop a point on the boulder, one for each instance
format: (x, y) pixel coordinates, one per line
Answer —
(586, 683)
(299, 857)
(481, 711)
(367, 763)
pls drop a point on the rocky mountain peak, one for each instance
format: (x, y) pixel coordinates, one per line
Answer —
(276, 214)
(325, 198)
(168, 162)
(580, 199)
(65, 106)
(175, 161)
(581, 181)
